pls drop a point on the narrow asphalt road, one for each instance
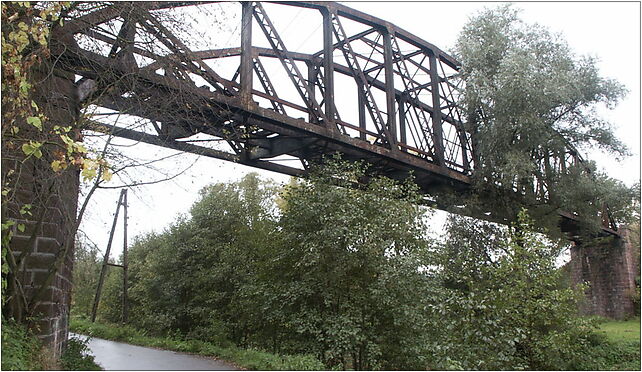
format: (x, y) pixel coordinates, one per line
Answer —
(114, 356)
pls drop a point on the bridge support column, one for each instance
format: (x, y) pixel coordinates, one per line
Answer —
(609, 267)
(47, 242)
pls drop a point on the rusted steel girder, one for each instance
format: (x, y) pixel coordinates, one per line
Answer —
(424, 135)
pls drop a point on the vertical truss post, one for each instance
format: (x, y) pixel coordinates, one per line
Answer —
(312, 82)
(361, 103)
(101, 279)
(125, 262)
(328, 67)
(402, 120)
(390, 87)
(437, 129)
(246, 51)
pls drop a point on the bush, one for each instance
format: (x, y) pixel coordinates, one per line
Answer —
(77, 356)
(609, 355)
(20, 348)
(502, 307)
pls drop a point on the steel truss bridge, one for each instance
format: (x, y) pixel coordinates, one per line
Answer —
(370, 91)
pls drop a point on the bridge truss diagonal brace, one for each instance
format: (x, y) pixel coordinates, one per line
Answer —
(288, 63)
(123, 47)
(267, 85)
(316, 77)
(412, 90)
(362, 82)
(190, 59)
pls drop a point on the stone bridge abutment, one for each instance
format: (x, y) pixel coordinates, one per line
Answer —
(609, 267)
(43, 251)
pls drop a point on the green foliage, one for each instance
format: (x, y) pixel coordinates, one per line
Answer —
(87, 262)
(240, 271)
(527, 98)
(342, 274)
(191, 278)
(615, 356)
(506, 310)
(347, 261)
(110, 307)
(77, 356)
(20, 348)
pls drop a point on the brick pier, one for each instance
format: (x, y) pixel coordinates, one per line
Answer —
(609, 267)
(50, 229)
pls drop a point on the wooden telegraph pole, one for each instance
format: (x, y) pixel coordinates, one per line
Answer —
(125, 305)
(122, 200)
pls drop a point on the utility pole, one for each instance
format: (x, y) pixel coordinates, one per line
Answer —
(122, 200)
(125, 304)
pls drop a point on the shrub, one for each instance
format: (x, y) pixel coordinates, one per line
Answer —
(502, 307)
(20, 348)
(77, 356)
(609, 355)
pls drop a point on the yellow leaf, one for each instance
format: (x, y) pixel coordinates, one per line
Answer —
(88, 173)
(58, 165)
(107, 175)
(80, 148)
(89, 164)
(35, 121)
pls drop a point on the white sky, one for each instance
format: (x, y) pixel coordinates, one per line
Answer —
(609, 31)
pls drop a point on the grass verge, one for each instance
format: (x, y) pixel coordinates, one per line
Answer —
(620, 349)
(627, 330)
(245, 358)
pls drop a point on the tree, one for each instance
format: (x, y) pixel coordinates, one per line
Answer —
(529, 102)
(506, 311)
(345, 280)
(191, 277)
(87, 262)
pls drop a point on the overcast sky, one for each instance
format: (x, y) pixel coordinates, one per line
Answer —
(609, 31)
